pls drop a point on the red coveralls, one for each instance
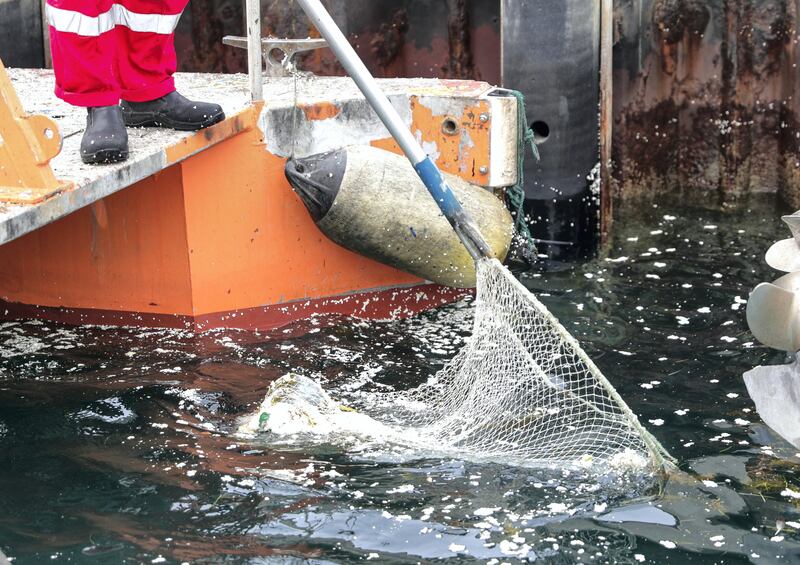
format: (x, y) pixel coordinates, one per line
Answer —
(104, 50)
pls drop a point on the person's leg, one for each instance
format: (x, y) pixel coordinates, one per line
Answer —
(147, 48)
(146, 64)
(83, 44)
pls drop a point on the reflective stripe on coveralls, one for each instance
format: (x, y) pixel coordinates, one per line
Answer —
(105, 50)
(68, 21)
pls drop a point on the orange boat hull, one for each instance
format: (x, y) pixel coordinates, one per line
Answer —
(203, 231)
(216, 240)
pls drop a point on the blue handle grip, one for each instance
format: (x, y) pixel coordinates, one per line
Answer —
(451, 208)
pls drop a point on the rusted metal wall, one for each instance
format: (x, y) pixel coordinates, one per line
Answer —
(705, 98)
(396, 38)
(198, 38)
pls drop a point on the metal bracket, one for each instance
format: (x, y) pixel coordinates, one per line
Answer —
(27, 144)
(273, 47)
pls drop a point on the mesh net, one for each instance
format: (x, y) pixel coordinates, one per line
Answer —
(523, 389)
(520, 391)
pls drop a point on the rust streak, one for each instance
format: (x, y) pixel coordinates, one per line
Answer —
(462, 64)
(320, 111)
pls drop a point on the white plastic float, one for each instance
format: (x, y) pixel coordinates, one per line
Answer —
(773, 314)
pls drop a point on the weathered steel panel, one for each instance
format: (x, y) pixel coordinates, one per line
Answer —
(551, 54)
(198, 38)
(396, 38)
(705, 98)
(21, 33)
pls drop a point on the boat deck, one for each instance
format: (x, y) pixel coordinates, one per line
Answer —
(152, 149)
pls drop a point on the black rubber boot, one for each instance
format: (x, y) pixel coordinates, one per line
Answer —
(172, 111)
(105, 139)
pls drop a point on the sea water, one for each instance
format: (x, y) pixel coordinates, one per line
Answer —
(118, 445)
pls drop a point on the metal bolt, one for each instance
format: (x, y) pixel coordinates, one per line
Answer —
(484, 117)
(483, 170)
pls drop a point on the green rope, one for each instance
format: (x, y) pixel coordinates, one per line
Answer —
(516, 193)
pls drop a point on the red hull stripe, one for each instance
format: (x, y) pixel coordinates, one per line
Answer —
(386, 304)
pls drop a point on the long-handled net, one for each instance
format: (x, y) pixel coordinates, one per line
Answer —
(522, 388)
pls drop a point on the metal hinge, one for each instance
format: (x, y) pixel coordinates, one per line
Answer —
(27, 144)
